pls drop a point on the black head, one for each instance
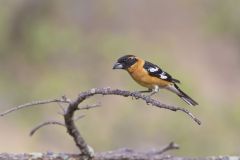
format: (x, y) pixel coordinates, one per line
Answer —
(125, 62)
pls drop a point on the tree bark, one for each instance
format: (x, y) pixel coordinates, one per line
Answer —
(122, 154)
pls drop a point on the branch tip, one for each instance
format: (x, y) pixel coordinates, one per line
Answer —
(45, 124)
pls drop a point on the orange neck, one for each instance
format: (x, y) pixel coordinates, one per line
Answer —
(137, 65)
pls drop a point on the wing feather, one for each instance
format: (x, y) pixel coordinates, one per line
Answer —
(156, 71)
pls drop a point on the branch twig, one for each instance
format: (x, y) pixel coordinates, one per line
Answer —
(79, 117)
(35, 129)
(89, 106)
(45, 124)
(30, 104)
(170, 146)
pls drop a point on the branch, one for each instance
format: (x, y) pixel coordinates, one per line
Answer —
(69, 119)
(89, 106)
(30, 104)
(130, 154)
(107, 91)
(79, 117)
(111, 155)
(33, 131)
(73, 106)
(170, 146)
(45, 124)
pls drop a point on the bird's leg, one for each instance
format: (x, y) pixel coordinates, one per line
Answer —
(145, 91)
(154, 91)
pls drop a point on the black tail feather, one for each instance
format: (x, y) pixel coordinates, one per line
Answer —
(185, 97)
(175, 80)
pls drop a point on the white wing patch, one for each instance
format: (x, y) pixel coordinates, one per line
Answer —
(163, 75)
(153, 69)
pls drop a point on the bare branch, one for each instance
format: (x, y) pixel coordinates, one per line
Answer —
(89, 106)
(110, 155)
(73, 106)
(34, 103)
(130, 154)
(79, 117)
(170, 146)
(107, 91)
(51, 123)
(45, 124)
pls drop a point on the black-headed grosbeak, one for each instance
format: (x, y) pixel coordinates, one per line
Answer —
(151, 76)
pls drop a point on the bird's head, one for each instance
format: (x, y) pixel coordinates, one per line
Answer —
(125, 62)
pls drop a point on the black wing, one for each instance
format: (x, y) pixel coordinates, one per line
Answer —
(156, 71)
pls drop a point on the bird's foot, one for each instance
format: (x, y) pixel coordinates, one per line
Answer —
(133, 94)
(139, 92)
(151, 94)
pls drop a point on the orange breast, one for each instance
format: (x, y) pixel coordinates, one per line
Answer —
(142, 77)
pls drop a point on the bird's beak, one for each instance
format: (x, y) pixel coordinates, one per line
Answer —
(117, 66)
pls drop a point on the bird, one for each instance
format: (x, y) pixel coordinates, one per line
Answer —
(151, 76)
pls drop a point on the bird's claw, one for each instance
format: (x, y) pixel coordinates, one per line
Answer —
(133, 94)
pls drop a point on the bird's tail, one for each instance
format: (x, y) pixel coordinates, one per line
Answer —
(174, 88)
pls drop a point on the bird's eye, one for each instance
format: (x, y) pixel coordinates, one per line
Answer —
(131, 58)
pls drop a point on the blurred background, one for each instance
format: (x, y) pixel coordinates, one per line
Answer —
(54, 48)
